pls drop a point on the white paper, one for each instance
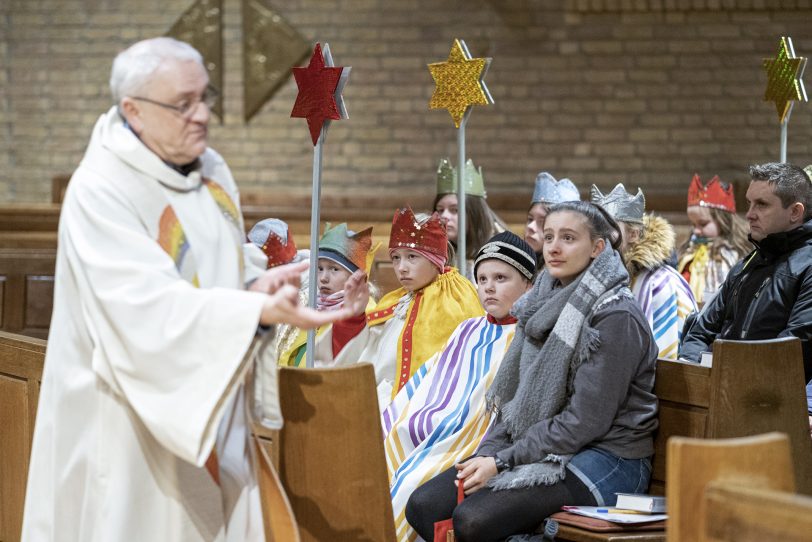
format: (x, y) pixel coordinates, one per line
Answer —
(592, 512)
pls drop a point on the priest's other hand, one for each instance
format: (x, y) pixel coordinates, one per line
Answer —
(282, 307)
(276, 277)
(356, 293)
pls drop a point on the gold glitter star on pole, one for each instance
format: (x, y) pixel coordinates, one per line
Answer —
(459, 82)
(784, 82)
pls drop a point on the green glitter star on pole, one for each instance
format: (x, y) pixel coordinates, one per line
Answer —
(784, 84)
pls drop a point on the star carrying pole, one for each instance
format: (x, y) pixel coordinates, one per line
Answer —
(319, 100)
(459, 84)
(784, 85)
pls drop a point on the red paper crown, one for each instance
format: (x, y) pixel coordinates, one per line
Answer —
(277, 251)
(715, 194)
(408, 233)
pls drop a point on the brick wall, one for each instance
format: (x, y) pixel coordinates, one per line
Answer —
(597, 90)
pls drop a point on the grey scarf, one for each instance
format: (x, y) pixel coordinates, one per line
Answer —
(553, 338)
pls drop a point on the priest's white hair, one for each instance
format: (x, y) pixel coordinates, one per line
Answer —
(134, 66)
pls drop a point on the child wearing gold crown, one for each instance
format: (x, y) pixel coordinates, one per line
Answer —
(481, 222)
(412, 322)
(718, 239)
(341, 253)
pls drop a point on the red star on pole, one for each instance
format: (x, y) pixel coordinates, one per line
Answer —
(318, 86)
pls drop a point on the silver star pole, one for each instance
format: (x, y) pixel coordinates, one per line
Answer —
(315, 213)
(315, 202)
(462, 260)
(784, 136)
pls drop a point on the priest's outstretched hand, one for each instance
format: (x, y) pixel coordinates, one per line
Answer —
(282, 306)
(276, 277)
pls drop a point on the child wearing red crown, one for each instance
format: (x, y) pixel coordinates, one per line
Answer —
(274, 238)
(412, 322)
(718, 239)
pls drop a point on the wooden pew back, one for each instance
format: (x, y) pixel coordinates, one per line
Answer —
(331, 456)
(747, 514)
(277, 515)
(758, 461)
(21, 362)
(759, 387)
(683, 390)
(26, 290)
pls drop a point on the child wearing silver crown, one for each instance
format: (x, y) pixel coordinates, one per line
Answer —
(647, 245)
(410, 323)
(548, 191)
(451, 386)
(481, 222)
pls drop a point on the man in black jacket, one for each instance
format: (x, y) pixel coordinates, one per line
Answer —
(768, 294)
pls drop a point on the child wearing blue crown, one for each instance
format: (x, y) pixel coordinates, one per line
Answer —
(412, 322)
(342, 252)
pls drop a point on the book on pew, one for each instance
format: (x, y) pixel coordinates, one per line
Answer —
(614, 515)
(651, 504)
(602, 526)
(706, 360)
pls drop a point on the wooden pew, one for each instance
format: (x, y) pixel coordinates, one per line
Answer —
(331, 456)
(747, 514)
(277, 514)
(761, 461)
(761, 388)
(26, 290)
(21, 362)
(753, 387)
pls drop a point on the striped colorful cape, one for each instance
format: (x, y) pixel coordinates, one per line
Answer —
(439, 416)
(666, 300)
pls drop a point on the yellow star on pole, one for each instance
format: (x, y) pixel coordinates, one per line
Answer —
(459, 82)
(784, 82)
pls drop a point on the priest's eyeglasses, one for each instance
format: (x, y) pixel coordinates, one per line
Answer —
(186, 108)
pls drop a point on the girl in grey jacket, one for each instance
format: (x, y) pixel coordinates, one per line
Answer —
(574, 402)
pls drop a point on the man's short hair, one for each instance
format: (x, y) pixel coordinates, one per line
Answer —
(134, 66)
(790, 183)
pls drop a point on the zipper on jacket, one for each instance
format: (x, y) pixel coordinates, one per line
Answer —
(752, 310)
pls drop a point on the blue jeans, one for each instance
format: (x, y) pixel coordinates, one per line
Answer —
(606, 474)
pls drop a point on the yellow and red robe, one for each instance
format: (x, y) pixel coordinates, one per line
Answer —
(404, 330)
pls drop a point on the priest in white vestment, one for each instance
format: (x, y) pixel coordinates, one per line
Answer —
(141, 431)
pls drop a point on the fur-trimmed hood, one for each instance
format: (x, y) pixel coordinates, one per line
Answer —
(654, 249)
